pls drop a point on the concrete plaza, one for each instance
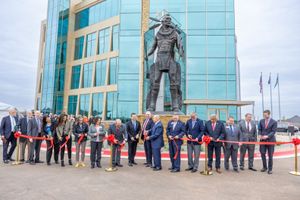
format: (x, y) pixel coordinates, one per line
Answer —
(54, 182)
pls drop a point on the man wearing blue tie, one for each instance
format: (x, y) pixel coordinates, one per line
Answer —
(175, 131)
(266, 131)
(157, 141)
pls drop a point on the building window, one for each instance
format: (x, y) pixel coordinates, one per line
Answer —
(75, 77)
(111, 106)
(97, 13)
(59, 104)
(113, 70)
(72, 105)
(61, 79)
(78, 48)
(115, 38)
(90, 44)
(84, 104)
(100, 73)
(97, 104)
(103, 41)
(87, 75)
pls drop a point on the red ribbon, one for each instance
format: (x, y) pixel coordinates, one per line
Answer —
(18, 135)
(296, 141)
(80, 138)
(64, 144)
(206, 139)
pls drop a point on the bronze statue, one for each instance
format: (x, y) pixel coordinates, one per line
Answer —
(166, 39)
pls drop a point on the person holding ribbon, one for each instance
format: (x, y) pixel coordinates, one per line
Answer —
(48, 130)
(232, 133)
(215, 129)
(35, 130)
(64, 136)
(133, 128)
(147, 126)
(81, 130)
(119, 131)
(97, 133)
(194, 131)
(175, 132)
(267, 131)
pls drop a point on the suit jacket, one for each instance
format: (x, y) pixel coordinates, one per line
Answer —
(120, 135)
(32, 127)
(157, 136)
(232, 136)
(179, 130)
(22, 126)
(270, 130)
(92, 130)
(83, 129)
(219, 131)
(6, 128)
(248, 136)
(131, 132)
(148, 127)
(196, 132)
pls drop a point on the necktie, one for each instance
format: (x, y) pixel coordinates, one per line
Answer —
(145, 124)
(231, 129)
(193, 123)
(266, 123)
(213, 126)
(248, 126)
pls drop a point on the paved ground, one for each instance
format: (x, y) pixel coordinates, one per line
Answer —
(43, 182)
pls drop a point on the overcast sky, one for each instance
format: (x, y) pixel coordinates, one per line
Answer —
(268, 40)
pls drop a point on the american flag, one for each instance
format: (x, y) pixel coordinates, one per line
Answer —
(261, 84)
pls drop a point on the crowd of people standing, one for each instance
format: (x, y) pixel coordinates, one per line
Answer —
(59, 131)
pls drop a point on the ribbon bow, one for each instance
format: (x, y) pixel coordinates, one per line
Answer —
(206, 140)
(296, 141)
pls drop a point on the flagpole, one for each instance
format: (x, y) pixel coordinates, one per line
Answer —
(262, 94)
(279, 103)
(271, 98)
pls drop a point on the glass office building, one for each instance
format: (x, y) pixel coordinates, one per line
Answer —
(91, 57)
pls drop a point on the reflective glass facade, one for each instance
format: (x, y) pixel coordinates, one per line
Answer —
(105, 56)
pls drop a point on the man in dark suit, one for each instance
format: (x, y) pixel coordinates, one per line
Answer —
(147, 126)
(157, 141)
(133, 128)
(194, 130)
(266, 131)
(232, 133)
(215, 130)
(7, 130)
(248, 134)
(34, 129)
(22, 126)
(119, 131)
(175, 131)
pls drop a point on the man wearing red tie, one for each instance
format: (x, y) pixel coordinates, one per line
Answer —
(146, 127)
(266, 131)
(215, 129)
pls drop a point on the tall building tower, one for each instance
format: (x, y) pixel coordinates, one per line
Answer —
(90, 61)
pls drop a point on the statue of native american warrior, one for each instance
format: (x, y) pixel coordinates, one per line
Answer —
(166, 39)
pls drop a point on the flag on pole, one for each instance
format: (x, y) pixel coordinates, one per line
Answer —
(261, 84)
(277, 81)
(269, 81)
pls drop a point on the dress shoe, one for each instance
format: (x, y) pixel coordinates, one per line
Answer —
(48, 163)
(62, 163)
(22, 160)
(188, 169)
(56, 162)
(12, 159)
(236, 170)
(263, 170)
(226, 168)
(119, 165)
(92, 166)
(27, 161)
(218, 171)
(242, 168)
(152, 167)
(134, 163)
(99, 165)
(170, 169)
(70, 162)
(175, 171)
(193, 170)
(252, 169)
(130, 164)
(32, 163)
(156, 168)
(147, 165)
(39, 161)
(270, 172)
(5, 161)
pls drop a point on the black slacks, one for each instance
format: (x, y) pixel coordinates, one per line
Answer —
(96, 148)
(263, 150)
(131, 150)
